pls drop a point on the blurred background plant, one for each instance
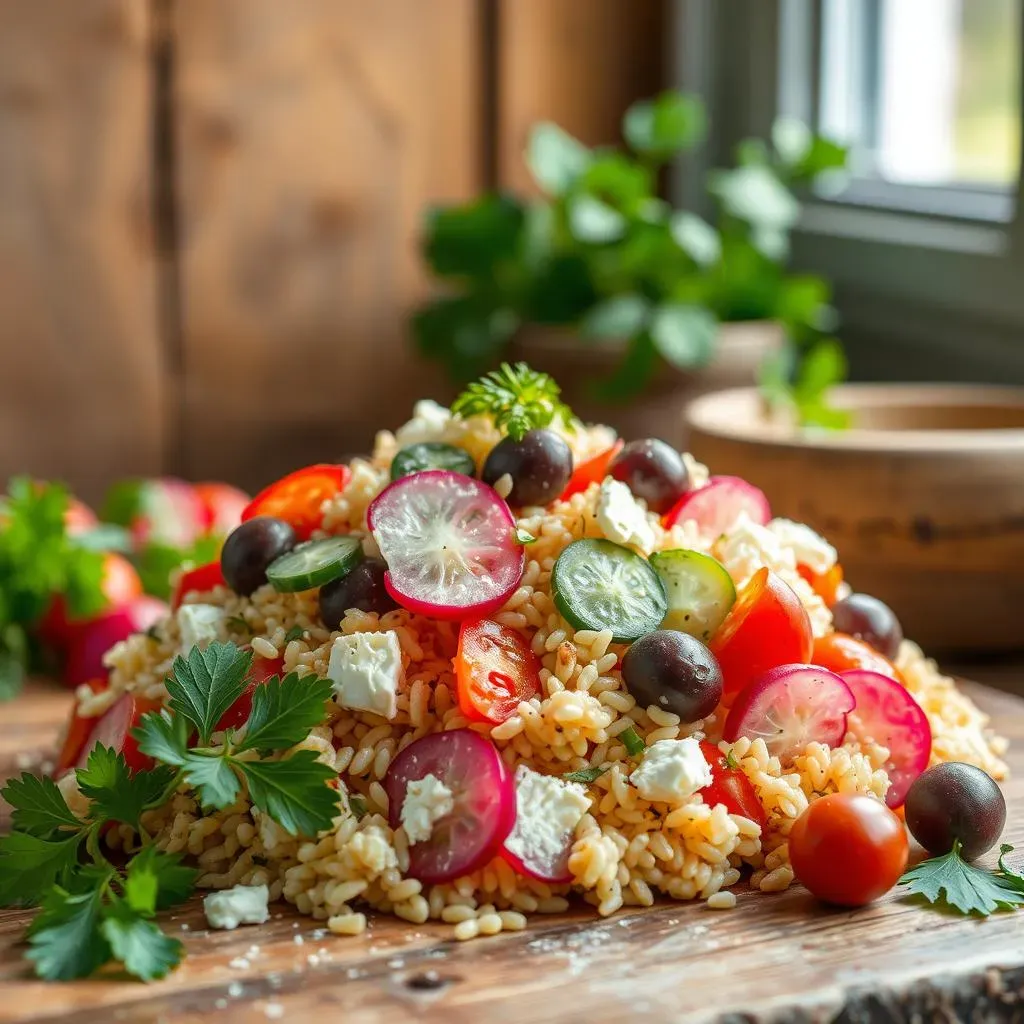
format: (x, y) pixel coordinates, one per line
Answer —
(600, 252)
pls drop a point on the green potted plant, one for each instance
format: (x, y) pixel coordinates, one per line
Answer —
(632, 305)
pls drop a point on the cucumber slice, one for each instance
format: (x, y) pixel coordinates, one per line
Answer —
(700, 591)
(315, 563)
(431, 455)
(601, 585)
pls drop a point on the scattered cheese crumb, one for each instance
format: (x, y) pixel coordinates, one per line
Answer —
(199, 624)
(427, 800)
(275, 1011)
(243, 904)
(808, 547)
(671, 770)
(621, 519)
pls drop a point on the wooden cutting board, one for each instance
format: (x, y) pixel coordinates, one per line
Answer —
(774, 958)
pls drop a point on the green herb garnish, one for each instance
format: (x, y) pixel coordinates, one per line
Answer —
(586, 775)
(950, 881)
(237, 622)
(632, 741)
(730, 760)
(295, 633)
(357, 805)
(517, 398)
(524, 537)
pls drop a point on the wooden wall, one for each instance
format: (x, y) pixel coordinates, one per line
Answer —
(209, 210)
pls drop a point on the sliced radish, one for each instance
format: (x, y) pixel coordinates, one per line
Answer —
(91, 641)
(114, 728)
(483, 798)
(717, 505)
(449, 542)
(887, 714)
(789, 707)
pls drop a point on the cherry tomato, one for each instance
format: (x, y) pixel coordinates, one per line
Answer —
(114, 727)
(841, 653)
(730, 786)
(848, 849)
(222, 505)
(495, 669)
(298, 497)
(826, 584)
(262, 669)
(765, 628)
(202, 578)
(593, 471)
(77, 733)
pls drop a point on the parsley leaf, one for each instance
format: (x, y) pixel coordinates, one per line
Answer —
(39, 806)
(138, 943)
(950, 881)
(284, 712)
(295, 633)
(586, 775)
(215, 782)
(157, 880)
(631, 740)
(117, 793)
(1008, 874)
(30, 865)
(517, 398)
(205, 685)
(163, 736)
(294, 792)
(65, 938)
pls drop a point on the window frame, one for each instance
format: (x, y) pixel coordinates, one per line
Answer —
(907, 277)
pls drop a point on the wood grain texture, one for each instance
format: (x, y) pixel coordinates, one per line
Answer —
(311, 134)
(579, 63)
(80, 360)
(776, 958)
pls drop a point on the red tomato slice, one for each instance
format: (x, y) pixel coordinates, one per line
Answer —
(593, 471)
(77, 733)
(731, 787)
(495, 669)
(825, 585)
(222, 504)
(841, 653)
(113, 729)
(262, 669)
(202, 578)
(765, 628)
(298, 497)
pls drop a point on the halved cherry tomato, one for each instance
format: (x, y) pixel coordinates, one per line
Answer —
(765, 628)
(495, 669)
(202, 577)
(78, 730)
(731, 787)
(262, 669)
(841, 653)
(298, 497)
(593, 471)
(114, 729)
(826, 584)
(848, 849)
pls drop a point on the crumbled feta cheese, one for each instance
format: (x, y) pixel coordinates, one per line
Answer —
(429, 423)
(244, 904)
(548, 810)
(426, 800)
(749, 546)
(366, 670)
(621, 518)
(199, 624)
(808, 547)
(672, 770)
(696, 472)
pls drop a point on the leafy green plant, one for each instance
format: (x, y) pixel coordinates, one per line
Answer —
(602, 253)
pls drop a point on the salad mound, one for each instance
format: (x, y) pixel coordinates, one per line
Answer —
(558, 664)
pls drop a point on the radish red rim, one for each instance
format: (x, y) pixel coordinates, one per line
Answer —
(483, 797)
(887, 714)
(449, 542)
(790, 707)
(717, 505)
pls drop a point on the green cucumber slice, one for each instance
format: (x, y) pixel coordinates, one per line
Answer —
(699, 588)
(598, 584)
(431, 455)
(315, 563)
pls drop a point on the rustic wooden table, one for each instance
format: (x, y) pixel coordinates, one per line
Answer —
(774, 958)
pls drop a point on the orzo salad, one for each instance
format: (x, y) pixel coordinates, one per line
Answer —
(506, 662)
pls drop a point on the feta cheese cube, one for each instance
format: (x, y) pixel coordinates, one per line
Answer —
(429, 423)
(808, 547)
(749, 546)
(199, 624)
(621, 519)
(548, 810)
(366, 670)
(426, 800)
(671, 770)
(244, 904)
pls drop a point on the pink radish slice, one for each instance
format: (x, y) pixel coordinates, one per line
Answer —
(94, 638)
(789, 707)
(483, 795)
(717, 505)
(887, 714)
(449, 542)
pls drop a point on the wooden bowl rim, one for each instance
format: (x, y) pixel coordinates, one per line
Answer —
(737, 414)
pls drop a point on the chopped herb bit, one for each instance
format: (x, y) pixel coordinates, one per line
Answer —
(524, 537)
(950, 881)
(295, 633)
(358, 806)
(730, 760)
(237, 622)
(631, 738)
(154, 633)
(586, 775)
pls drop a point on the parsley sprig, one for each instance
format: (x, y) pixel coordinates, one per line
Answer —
(517, 398)
(93, 910)
(950, 881)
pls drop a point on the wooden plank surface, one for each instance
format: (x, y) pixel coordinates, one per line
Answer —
(774, 958)
(310, 136)
(77, 281)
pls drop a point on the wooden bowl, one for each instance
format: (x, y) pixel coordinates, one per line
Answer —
(923, 497)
